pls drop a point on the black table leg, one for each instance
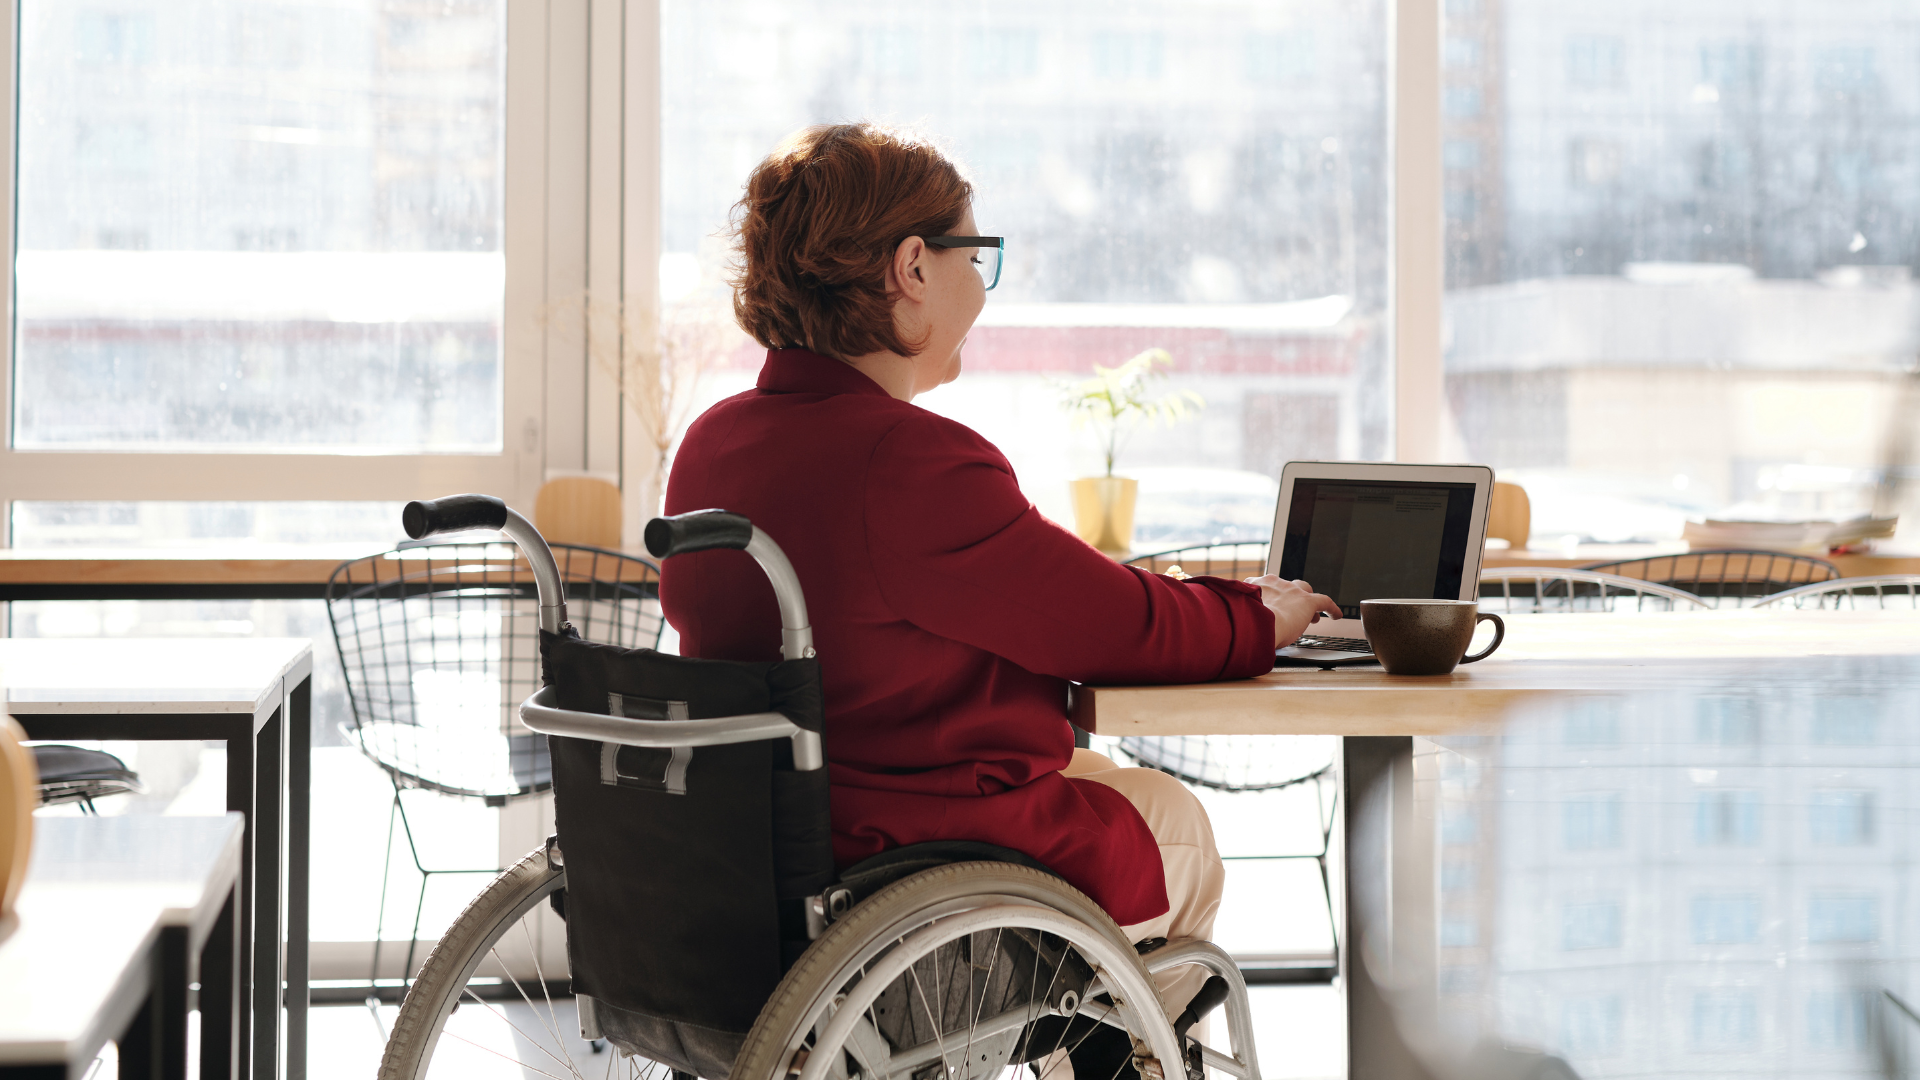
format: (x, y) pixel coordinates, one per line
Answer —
(269, 893)
(170, 995)
(139, 1045)
(299, 876)
(240, 796)
(220, 1026)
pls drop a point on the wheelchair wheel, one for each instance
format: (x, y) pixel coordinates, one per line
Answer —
(961, 972)
(478, 969)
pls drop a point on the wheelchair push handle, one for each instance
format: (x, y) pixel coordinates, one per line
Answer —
(460, 513)
(454, 513)
(706, 530)
(701, 530)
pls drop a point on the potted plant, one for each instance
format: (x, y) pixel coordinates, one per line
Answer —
(1115, 401)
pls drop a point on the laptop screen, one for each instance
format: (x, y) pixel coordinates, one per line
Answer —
(1370, 539)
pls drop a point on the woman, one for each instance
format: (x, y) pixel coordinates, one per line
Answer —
(948, 613)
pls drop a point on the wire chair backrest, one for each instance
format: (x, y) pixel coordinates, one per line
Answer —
(1228, 762)
(1857, 593)
(1726, 578)
(1523, 590)
(1247, 558)
(440, 643)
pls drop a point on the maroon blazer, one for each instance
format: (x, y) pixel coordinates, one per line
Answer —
(949, 616)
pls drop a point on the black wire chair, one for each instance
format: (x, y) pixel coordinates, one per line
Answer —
(1242, 763)
(1527, 590)
(1885, 591)
(1246, 558)
(440, 644)
(75, 774)
(1726, 578)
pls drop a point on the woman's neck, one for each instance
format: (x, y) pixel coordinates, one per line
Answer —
(894, 373)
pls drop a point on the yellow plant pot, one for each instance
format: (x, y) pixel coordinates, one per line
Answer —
(19, 794)
(1103, 512)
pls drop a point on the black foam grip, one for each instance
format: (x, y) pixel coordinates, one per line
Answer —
(1212, 993)
(698, 530)
(455, 513)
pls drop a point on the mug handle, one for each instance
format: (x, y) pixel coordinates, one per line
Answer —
(1499, 635)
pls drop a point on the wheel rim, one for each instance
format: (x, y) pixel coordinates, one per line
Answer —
(841, 1025)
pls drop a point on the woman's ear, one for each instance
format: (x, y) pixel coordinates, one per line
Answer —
(906, 274)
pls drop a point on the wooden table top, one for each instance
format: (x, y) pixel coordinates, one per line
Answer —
(98, 891)
(1543, 655)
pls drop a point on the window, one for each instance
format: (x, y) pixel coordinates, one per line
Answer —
(1592, 721)
(1591, 822)
(1749, 162)
(1239, 223)
(1845, 720)
(1840, 818)
(1592, 163)
(1461, 102)
(1126, 56)
(1724, 818)
(1595, 62)
(1725, 1020)
(1841, 918)
(1590, 1026)
(1004, 52)
(1461, 154)
(1459, 825)
(340, 286)
(1594, 925)
(1459, 932)
(1726, 720)
(1725, 920)
(1839, 1019)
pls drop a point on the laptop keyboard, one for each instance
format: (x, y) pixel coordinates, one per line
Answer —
(1335, 644)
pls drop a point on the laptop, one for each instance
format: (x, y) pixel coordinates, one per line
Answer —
(1366, 531)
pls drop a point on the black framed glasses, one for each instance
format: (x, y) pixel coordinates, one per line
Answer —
(990, 252)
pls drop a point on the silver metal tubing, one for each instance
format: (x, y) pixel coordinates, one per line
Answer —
(546, 572)
(539, 713)
(1239, 1011)
(796, 637)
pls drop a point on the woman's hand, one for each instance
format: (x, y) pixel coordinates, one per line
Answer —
(1295, 606)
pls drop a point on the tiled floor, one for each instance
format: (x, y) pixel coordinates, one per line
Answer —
(1298, 1033)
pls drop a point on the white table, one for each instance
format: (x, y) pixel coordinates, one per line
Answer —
(118, 917)
(253, 693)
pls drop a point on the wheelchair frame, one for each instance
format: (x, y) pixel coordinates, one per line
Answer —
(834, 918)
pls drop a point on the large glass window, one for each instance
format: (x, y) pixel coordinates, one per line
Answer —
(1210, 180)
(1680, 250)
(259, 224)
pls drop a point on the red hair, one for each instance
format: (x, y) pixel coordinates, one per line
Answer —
(820, 221)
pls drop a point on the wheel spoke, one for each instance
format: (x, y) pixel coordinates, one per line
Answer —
(973, 1021)
(498, 1054)
(939, 1036)
(502, 1014)
(554, 1027)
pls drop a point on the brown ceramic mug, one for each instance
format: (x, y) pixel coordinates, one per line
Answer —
(1426, 637)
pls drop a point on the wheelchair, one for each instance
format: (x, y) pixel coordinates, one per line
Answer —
(689, 907)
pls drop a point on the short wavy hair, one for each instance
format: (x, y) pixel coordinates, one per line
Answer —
(820, 220)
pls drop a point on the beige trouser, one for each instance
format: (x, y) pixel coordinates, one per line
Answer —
(1195, 875)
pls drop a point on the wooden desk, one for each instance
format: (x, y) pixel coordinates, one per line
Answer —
(256, 695)
(1389, 853)
(249, 572)
(118, 918)
(1543, 655)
